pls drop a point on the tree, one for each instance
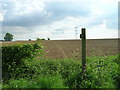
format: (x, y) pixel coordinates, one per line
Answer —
(38, 39)
(8, 37)
(48, 38)
(29, 39)
(43, 38)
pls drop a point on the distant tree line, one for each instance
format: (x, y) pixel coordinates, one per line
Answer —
(42, 39)
(9, 37)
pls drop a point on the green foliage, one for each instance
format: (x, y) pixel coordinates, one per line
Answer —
(101, 72)
(50, 82)
(8, 37)
(29, 39)
(13, 57)
(39, 82)
(53, 67)
(38, 39)
(43, 39)
(0, 86)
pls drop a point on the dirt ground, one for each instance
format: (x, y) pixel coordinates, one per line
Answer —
(72, 48)
(58, 49)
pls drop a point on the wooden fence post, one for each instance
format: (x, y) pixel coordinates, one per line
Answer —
(83, 36)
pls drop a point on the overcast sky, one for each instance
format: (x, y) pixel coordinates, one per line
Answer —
(57, 19)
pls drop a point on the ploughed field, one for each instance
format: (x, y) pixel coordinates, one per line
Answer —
(58, 49)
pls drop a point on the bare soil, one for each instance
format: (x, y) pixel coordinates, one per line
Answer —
(58, 49)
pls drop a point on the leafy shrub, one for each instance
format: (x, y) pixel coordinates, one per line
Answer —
(50, 82)
(101, 72)
(52, 67)
(13, 57)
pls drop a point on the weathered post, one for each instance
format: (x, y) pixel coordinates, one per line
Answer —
(83, 36)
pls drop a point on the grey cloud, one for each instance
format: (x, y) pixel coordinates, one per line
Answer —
(63, 9)
(57, 10)
(27, 20)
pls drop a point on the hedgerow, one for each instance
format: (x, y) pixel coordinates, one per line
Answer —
(101, 72)
(13, 58)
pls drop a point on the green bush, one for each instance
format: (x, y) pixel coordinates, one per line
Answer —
(13, 57)
(52, 67)
(101, 72)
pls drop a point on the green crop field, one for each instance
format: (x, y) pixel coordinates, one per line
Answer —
(57, 64)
